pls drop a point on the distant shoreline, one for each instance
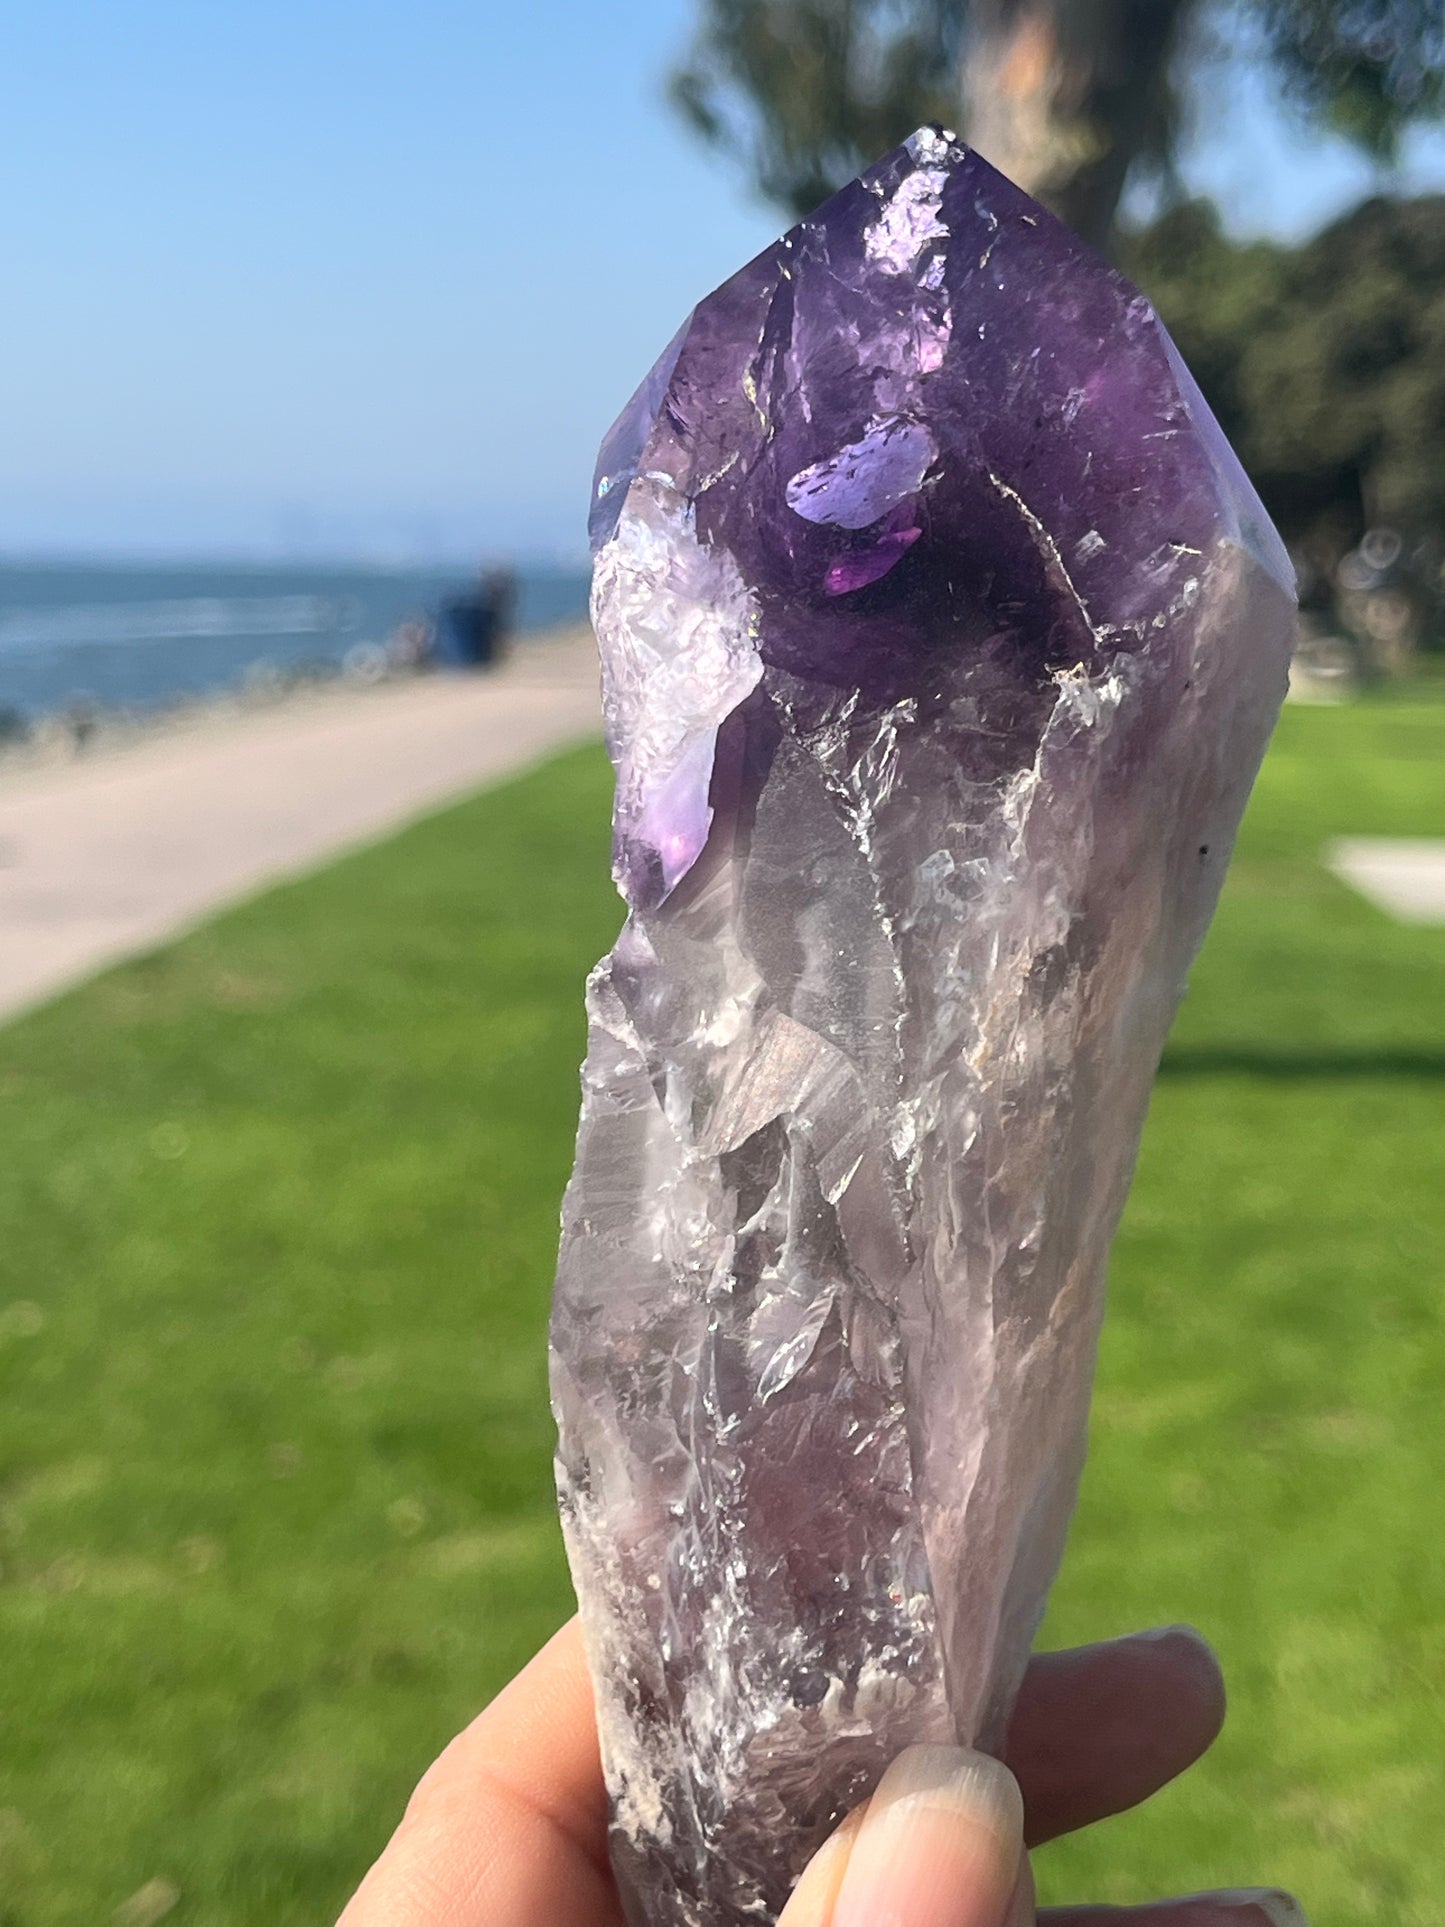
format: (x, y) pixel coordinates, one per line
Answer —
(127, 637)
(54, 740)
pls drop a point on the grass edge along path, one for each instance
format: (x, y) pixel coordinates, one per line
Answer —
(277, 1222)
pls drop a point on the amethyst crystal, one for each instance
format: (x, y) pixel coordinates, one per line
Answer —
(941, 638)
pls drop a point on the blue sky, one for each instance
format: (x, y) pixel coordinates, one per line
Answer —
(362, 278)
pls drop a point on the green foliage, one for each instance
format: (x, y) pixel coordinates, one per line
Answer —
(1325, 363)
(806, 92)
(278, 1215)
(1366, 68)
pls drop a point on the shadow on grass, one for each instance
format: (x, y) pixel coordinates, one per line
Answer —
(1303, 1066)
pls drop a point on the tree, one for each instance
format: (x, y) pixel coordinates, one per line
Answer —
(1325, 364)
(1066, 96)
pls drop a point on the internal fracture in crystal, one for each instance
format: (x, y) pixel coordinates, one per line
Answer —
(941, 638)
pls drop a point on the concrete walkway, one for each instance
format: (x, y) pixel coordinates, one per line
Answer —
(1403, 876)
(113, 852)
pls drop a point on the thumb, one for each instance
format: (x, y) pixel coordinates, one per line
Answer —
(940, 1844)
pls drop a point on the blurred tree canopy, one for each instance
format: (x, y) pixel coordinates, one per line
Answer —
(1325, 363)
(1066, 96)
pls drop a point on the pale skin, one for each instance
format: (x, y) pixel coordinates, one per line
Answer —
(508, 1828)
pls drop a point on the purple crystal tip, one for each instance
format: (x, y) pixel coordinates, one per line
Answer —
(926, 421)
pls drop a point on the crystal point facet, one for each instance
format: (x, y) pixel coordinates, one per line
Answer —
(941, 635)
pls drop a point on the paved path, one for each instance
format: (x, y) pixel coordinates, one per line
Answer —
(112, 853)
(1403, 876)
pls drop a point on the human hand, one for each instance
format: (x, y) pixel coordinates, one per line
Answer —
(509, 1827)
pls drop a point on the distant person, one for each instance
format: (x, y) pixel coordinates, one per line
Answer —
(80, 720)
(501, 585)
(472, 629)
(412, 647)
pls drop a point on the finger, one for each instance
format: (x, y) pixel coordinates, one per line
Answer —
(1023, 1910)
(510, 1824)
(1098, 1729)
(940, 1844)
(1239, 1907)
(816, 1894)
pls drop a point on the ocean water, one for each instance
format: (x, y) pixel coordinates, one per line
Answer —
(141, 637)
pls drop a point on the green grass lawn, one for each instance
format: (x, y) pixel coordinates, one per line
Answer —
(277, 1221)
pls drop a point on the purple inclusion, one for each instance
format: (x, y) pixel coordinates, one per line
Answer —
(858, 485)
(870, 565)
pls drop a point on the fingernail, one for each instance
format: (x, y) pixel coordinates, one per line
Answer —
(1277, 1907)
(940, 1845)
(1182, 1631)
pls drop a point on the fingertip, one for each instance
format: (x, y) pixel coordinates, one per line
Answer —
(940, 1845)
(1271, 1905)
(1099, 1728)
(1186, 1645)
(816, 1893)
(1187, 1660)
